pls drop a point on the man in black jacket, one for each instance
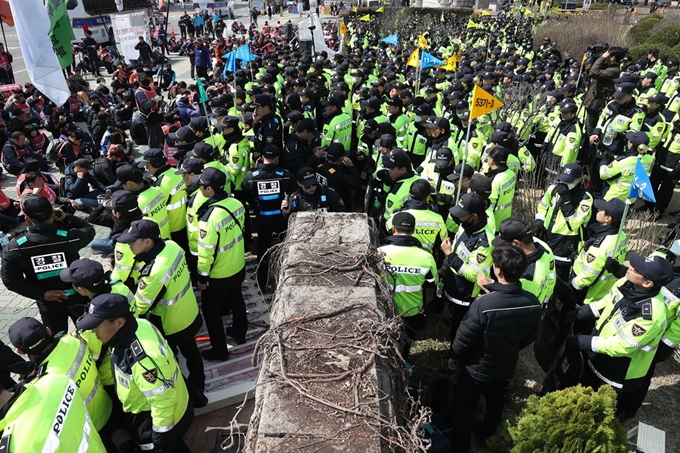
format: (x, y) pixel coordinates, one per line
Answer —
(497, 327)
(116, 213)
(298, 152)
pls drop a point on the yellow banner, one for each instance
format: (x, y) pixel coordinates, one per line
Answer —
(365, 18)
(483, 103)
(471, 24)
(422, 42)
(343, 28)
(413, 59)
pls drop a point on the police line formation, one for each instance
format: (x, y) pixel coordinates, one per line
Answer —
(361, 131)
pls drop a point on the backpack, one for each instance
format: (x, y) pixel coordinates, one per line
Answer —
(53, 151)
(61, 190)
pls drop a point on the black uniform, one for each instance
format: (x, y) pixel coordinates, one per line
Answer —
(298, 154)
(265, 188)
(345, 181)
(32, 262)
(268, 131)
(323, 199)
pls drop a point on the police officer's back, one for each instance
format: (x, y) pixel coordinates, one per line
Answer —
(32, 261)
(149, 385)
(268, 126)
(311, 196)
(340, 174)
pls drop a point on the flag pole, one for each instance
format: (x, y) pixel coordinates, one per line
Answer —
(460, 178)
(419, 72)
(580, 71)
(623, 222)
(4, 38)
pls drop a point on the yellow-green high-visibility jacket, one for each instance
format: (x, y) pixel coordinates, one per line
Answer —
(429, 224)
(539, 278)
(618, 175)
(221, 249)
(671, 298)
(174, 188)
(125, 267)
(503, 182)
(48, 415)
(588, 271)
(148, 377)
(338, 130)
(194, 204)
(151, 202)
(164, 289)
(238, 161)
(398, 194)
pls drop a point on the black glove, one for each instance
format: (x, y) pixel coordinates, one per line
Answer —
(611, 265)
(538, 229)
(569, 317)
(572, 343)
(563, 191)
(381, 174)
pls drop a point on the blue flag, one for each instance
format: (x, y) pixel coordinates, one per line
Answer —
(641, 186)
(243, 53)
(229, 63)
(428, 61)
(391, 39)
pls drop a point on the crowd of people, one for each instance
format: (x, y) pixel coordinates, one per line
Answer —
(360, 131)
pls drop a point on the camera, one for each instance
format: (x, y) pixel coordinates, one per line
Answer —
(594, 49)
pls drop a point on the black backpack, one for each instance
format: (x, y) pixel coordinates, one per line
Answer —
(53, 151)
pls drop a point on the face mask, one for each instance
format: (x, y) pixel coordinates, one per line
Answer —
(417, 118)
(570, 186)
(675, 247)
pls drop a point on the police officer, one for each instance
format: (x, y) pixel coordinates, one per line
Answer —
(298, 151)
(266, 187)
(148, 104)
(399, 177)
(408, 267)
(468, 255)
(150, 200)
(430, 229)
(337, 124)
(503, 182)
(562, 215)
(221, 262)
(563, 141)
(268, 126)
(189, 169)
(311, 196)
(164, 291)
(31, 262)
(149, 382)
(66, 355)
(589, 277)
(46, 413)
(539, 277)
(339, 173)
(437, 173)
(630, 321)
(236, 152)
(174, 188)
(618, 174)
(666, 170)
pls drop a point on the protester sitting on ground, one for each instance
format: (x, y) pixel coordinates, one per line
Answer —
(116, 213)
(77, 183)
(15, 153)
(35, 185)
(10, 211)
(32, 165)
(104, 168)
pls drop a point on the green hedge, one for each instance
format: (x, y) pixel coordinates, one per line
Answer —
(574, 420)
(642, 50)
(667, 36)
(642, 31)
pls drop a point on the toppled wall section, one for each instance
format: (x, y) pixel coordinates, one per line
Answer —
(331, 377)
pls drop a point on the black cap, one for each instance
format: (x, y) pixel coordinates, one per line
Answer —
(461, 169)
(613, 207)
(219, 111)
(29, 335)
(570, 173)
(293, 117)
(194, 166)
(123, 201)
(479, 184)
(228, 121)
(262, 100)
(83, 272)
(38, 208)
(373, 103)
(569, 108)
(654, 268)
(404, 219)
(420, 189)
(637, 138)
(271, 151)
(649, 75)
(335, 150)
(184, 134)
(623, 89)
(102, 307)
(306, 124)
(438, 123)
(469, 203)
(212, 177)
(128, 172)
(199, 123)
(499, 137)
(443, 157)
(510, 230)
(658, 98)
(395, 101)
(499, 154)
(307, 177)
(396, 160)
(155, 156)
(203, 150)
(140, 229)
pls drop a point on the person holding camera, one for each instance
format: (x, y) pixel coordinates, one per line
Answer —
(602, 74)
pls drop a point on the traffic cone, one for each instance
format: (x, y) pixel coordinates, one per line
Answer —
(172, 32)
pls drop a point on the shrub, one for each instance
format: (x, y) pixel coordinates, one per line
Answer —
(668, 36)
(574, 420)
(574, 35)
(641, 31)
(642, 50)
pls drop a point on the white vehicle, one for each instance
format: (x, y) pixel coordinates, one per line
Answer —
(95, 15)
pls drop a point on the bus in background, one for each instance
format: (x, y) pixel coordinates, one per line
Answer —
(95, 15)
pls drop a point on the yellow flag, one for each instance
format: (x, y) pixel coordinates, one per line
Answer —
(365, 18)
(343, 28)
(355, 10)
(451, 63)
(486, 13)
(471, 24)
(528, 13)
(556, 9)
(413, 59)
(422, 42)
(483, 103)
(380, 10)
(583, 60)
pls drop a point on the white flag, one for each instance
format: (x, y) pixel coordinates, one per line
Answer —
(32, 26)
